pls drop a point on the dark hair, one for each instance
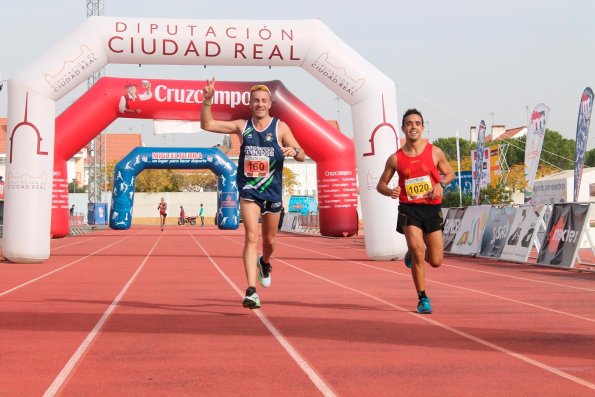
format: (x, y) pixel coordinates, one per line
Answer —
(409, 112)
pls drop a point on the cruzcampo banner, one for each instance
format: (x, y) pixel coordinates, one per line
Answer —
(563, 235)
(481, 137)
(582, 134)
(533, 146)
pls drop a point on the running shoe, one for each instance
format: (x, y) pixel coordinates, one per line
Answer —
(424, 307)
(408, 262)
(251, 301)
(264, 272)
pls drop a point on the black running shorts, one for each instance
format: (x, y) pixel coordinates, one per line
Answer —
(427, 217)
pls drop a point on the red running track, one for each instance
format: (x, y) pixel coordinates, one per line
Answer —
(150, 313)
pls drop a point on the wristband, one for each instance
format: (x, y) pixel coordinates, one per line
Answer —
(297, 151)
(443, 185)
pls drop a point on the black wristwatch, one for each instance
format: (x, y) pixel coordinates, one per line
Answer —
(297, 151)
(443, 185)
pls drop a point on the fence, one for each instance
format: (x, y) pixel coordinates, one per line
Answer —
(77, 224)
(298, 223)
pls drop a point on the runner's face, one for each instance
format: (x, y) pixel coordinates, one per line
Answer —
(413, 127)
(260, 103)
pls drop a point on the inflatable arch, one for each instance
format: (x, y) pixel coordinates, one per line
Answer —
(95, 110)
(143, 158)
(309, 44)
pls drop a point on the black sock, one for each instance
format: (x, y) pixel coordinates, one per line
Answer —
(250, 291)
(421, 294)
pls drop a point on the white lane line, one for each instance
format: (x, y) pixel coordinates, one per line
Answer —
(476, 339)
(75, 243)
(74, 359)
(448, 284)
(483, 271)
(8, 291)
(322, 386)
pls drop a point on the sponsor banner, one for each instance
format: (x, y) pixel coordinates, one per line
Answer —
(550, 191)
(582, 134)
(533, 146)
(452, 222)
(479, 161)
(494, 164)
(290, 222)
(468, 238)
(564, 233)
(522, 231)
(466, 182)
(496, 231)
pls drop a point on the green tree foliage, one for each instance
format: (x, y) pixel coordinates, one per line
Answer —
(590, 158)
(449, 147)
(495, 195)
(451, 199)
(74, 188)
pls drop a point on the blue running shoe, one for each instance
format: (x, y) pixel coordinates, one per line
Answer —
(424, 307)
(408, 262)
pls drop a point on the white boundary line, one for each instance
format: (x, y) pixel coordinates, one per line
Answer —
(74, 359)
(320, 384)
(476, 339)
(447, 284)
(75, 243)
(481, 271)
(8, 291)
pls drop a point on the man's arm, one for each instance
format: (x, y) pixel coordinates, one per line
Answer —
(207, 122)
(445, 169)
(387, 175)
(290, 145)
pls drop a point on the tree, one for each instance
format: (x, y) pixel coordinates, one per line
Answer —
(449, 147)
(451, 199)
(73, 187)
(495, 195)
(516, 178)
(156, 181)
(590, 158)
(290, 181)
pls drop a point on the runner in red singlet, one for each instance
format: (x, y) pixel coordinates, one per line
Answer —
(418, 165)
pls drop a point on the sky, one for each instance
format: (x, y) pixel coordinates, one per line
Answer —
(457, 61)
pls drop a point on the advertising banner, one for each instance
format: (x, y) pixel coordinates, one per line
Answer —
(479, 161)
(452, 222)
(468, 238)
(522, 231)
(564, 234)
(533, 146)
(582, 134)
(496, 231)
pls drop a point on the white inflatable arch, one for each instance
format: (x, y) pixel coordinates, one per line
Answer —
(308, 44)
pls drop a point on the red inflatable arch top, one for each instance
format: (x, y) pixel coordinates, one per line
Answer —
(94, 111)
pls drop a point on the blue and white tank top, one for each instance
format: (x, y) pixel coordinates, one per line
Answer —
(260, 166)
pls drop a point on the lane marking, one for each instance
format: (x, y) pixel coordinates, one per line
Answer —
(8, 291)
(456, 331)
(75, 358)
(484, 271)
(320, 384)
(75, 243)
(447, 284)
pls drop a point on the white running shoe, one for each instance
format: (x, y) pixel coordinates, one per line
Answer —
(264, 273)
(252, 301)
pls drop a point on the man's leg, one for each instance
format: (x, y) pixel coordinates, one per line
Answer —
(417, 249)
(270, 224)
(250, 214)
(435, 248)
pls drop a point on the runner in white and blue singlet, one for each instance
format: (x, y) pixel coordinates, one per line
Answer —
(260, 166)
(266, 141)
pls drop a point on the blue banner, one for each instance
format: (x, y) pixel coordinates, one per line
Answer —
(582, 135)
(466, 182)
(481, 137)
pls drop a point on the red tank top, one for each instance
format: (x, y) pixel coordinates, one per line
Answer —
(417, 176)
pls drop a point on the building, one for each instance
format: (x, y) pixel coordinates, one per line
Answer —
(499, 132)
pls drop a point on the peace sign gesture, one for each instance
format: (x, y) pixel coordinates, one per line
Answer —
(209, 90)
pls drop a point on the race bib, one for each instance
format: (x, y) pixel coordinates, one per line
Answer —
(256, 166)
(418, 188)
